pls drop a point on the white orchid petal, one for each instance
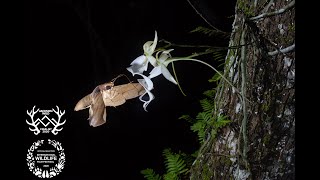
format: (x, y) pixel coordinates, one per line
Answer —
(154, 44)
(165, 63)
(139, 65)
(137, 69)
(163, 57)
(146, 103)
(155, 72)
(167, 74)
(139, 60)
(146, 47)
(130, 69)
(152, 61)
(147, 85)
(146, 82)
(150, 46)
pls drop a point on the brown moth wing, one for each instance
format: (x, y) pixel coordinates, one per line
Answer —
(97, 111)
(119, 94)
(112, 98)
(132, 90)
(84, 103)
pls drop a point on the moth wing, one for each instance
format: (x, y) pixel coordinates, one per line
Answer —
(84, 103)
(97, 111)
(130, 90)
(113, 97)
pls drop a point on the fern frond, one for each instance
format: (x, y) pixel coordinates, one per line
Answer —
(195, 154)
(149, 174)
(170, 176)
(199, 127)
(207, 105)
(188, 118)
(204, 116)
(175, 163)
(221, 121)
(216, 77)
(210, 93)
(210, 32)
(219, 55)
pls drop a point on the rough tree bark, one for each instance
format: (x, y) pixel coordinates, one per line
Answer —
(260, 141)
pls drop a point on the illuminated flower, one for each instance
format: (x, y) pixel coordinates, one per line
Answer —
(161, 67)
(140, 64)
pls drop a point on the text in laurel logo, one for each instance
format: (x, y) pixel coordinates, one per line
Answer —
(46, 158)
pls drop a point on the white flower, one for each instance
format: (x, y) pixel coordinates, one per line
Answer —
(140, 64)
(161, 67)
(148, 86)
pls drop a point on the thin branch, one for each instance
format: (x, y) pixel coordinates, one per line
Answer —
(280, 11)
(203, 17)
(285, 50)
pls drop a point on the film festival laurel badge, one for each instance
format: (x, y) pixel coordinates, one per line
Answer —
(45, 158)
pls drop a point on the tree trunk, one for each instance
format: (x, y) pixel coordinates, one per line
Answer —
(260, 141)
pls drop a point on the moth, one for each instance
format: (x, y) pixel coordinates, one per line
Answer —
(107, 94)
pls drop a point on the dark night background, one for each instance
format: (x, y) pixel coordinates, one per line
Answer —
(73, 46)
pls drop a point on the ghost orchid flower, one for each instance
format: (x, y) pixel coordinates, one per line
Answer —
(161, 67)
(140, 64)
(160, 63)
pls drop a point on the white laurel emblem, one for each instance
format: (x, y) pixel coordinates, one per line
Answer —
(53, 171)
(35, 123)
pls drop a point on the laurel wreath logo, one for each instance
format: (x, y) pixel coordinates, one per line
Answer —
(53, 171)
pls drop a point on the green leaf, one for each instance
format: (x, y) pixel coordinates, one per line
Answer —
(149, 174)
(210, 32)
(221, 122)
(199, 127)
(174, 163)
(215, 78)
(171, 176)
(204, 116)
(210, 93)
(207, 105)
(188, 118)
(219, 55)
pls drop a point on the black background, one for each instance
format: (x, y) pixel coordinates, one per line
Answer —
(72, 46)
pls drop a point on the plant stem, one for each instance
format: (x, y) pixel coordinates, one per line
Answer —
(175, 75)
(199, 61)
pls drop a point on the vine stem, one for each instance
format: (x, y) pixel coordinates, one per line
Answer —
(243, 93)
(285, 50)
(280, 11)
